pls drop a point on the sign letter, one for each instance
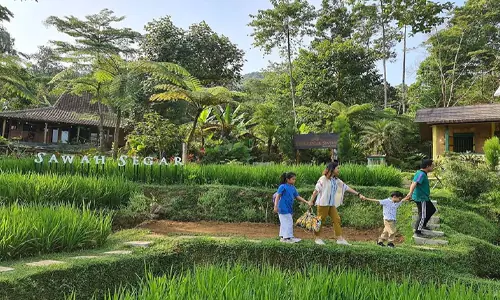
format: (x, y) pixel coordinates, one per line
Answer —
(122, 161)
(40, 156)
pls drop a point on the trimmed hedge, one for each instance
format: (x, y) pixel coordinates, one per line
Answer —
(87, 278)
(239, 204)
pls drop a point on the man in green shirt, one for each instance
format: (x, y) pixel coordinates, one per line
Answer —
(420, 193)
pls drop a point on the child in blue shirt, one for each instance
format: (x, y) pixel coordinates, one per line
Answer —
(283, 205)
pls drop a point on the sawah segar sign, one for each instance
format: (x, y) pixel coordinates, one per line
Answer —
(101, 160)
(315, 141)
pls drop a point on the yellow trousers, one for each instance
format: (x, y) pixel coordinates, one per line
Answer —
(389, 231)
(331, 211)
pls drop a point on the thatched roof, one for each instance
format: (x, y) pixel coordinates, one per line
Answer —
(460, 114)
(69, 109)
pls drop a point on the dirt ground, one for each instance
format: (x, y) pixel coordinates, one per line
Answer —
(251, 230)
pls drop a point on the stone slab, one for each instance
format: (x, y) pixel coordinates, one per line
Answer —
(141, 244)
(432, 233)
(84, 257)
(44, 263)
(5, 269)
(426, 241)
(425, 248)
(118, 252)
(433, 220)
(431, 226)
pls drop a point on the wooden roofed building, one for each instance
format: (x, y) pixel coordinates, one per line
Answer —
(460, 129)
(71, 120)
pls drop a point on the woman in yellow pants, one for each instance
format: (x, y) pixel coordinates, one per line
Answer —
(328, 195)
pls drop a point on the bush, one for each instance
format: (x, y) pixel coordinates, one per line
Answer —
(232, 174)
(98, 277)
(470, 223)
(237, 282)
(238, 204)
(36, 229)
(492, 152)
(468, 181)
(227, 153)
(33, 188)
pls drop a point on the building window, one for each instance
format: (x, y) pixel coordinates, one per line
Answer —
(463, 142)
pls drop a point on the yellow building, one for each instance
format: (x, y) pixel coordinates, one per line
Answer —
(459, 129)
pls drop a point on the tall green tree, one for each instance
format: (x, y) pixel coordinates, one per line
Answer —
(283, 27)
(339, 70)
(6, 40)
(207, 55)
(95, 40)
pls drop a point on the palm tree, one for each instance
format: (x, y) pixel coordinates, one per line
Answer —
(379, 136)
(10, 79)
(180, 85)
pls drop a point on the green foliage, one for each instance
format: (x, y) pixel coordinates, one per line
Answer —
(342, 128)
(155, 135)
(54, 189)
(237, 282)
(239, 204)
(210, 57)
(468, 180)
(227, 152)
(37, 229)
(492, 152)
(243, 175)
(100, 277)
(470, 223)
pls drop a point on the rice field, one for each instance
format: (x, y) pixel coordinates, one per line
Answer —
(242, 175)
(215, 282)
(36, 229)
(99, 192)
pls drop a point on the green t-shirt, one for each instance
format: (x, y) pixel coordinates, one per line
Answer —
(423, 190)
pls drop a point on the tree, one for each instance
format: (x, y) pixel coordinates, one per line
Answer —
(338, 70)
(421, 16)
(265, 117)
(463, 62)
(95, 39)
(6, 41)
(378, 135)
(227, 121)
(182, 86)
(11, 77)
(342, 128)
(283, 27)
(208, 56)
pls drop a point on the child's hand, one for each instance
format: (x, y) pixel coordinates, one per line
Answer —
(275, 210)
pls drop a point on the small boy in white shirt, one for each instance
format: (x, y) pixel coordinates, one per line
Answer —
(390, 209)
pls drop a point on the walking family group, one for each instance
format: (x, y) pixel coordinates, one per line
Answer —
(329, 193)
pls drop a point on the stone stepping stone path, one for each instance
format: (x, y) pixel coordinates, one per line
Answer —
(118, 252)
(84, 257)
(5, 269)
(44, 263)
(430, 236)
(139, 244)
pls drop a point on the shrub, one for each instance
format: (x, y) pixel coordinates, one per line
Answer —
(227, 152)
(97, 277)
(35, 229)
(470, 223)
(237, 282)
(33, 188)
(239, 204)
(492, 152)
(466, 180)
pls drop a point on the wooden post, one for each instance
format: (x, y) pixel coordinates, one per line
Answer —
(4, 125)
(493, 127)
(78, 135)
(434, 142)
(297, 157)
(45, 131)
(447, 139)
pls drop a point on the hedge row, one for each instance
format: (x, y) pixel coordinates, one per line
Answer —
(243, 175)
(239, 204)
(88, 278)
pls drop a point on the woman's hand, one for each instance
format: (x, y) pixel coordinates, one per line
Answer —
(310, 203)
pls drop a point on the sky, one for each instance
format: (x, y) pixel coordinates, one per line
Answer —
(227, 17)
